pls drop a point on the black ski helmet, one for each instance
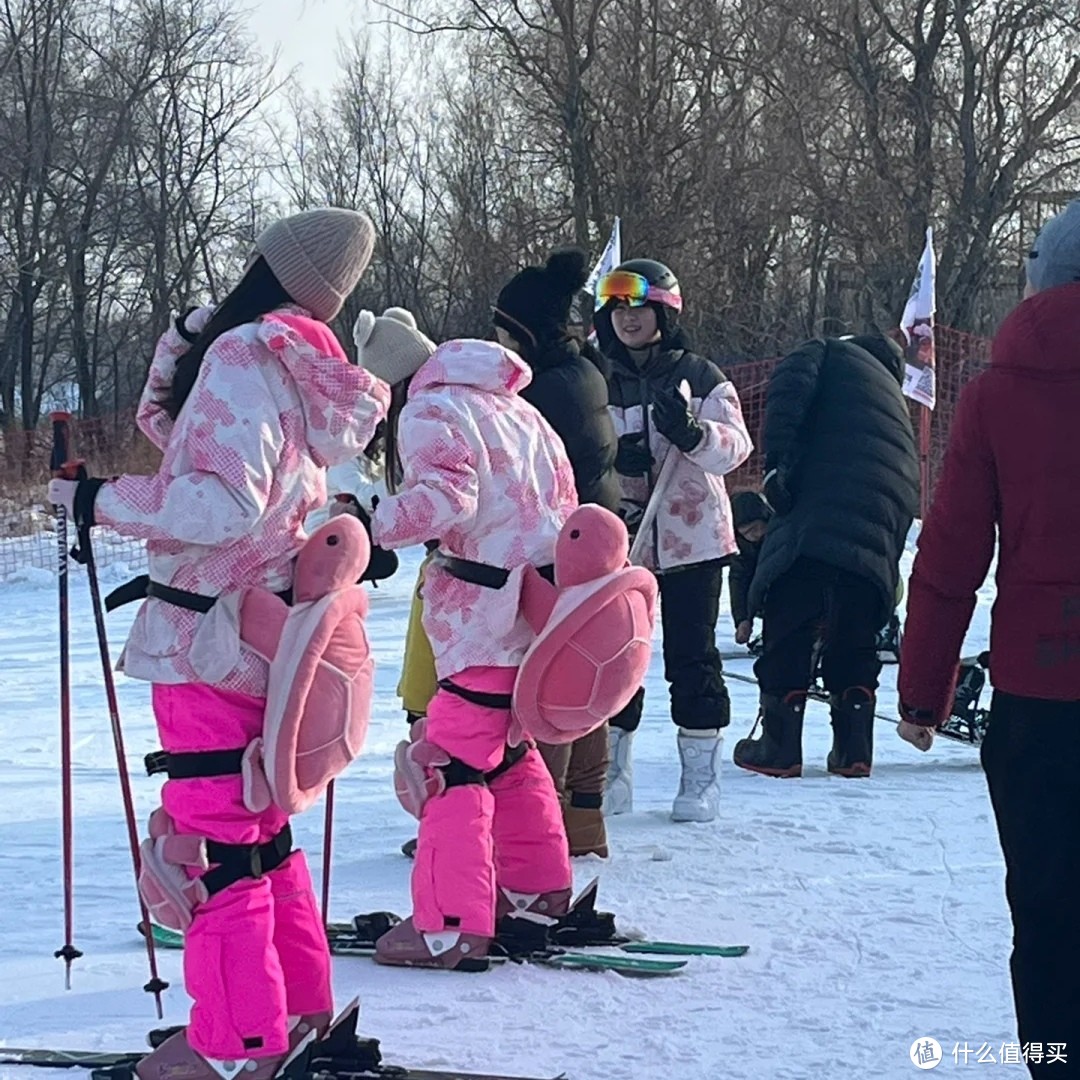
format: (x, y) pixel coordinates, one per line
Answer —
(655, 273)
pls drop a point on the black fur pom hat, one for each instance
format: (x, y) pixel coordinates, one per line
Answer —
(534, 305)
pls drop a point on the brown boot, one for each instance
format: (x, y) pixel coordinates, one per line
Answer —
(585, 829)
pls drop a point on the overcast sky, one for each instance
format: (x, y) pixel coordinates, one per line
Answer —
(306, 31)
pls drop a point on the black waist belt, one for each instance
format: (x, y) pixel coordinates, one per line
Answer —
(483, 574)
(477, 697)
(141, 588)
(239, 861)
(199, 763)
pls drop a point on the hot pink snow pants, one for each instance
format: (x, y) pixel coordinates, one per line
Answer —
(510, 830)
(256, 952)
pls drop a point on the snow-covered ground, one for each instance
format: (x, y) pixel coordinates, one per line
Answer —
(874, 910)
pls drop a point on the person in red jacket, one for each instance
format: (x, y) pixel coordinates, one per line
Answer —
(1011, 463)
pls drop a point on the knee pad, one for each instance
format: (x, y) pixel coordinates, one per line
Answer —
(423, 771)
(170, 895)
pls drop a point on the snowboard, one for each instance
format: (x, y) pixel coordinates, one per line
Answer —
(339, 1054)
(815, 693)
(967, 723)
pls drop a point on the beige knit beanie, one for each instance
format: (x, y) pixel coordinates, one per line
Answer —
(318, 256)
(390, 345)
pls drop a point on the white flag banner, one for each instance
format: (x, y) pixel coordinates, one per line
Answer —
(917, 325)
(609, 259)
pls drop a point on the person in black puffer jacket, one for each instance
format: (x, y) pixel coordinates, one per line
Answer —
(842, 475)
(569, 384)
(569, 389)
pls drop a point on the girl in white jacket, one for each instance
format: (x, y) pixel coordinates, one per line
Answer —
(249, 404)
(476, 468)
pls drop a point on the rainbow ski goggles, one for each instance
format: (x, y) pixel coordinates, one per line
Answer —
(622, 286)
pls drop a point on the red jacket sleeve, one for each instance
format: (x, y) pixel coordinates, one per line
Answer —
(955, 548)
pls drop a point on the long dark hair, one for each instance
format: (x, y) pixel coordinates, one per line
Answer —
(257, 293)
(394, 471)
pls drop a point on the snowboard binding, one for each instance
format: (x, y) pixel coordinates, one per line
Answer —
(581, 927)
(341, 1054)
(968, 723)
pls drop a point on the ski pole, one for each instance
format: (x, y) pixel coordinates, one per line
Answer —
(328, 839)
(85, 555)
(652, 507)
(68, 953)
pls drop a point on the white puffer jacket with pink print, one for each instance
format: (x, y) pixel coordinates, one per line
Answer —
(694, 522)
(486, 476)
(275, 403)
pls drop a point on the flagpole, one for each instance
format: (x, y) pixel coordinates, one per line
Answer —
(924, 462)
(919, 370)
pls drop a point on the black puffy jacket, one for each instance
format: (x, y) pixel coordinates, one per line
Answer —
(837, 424)
(569, 390)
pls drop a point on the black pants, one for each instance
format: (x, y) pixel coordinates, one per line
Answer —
(1031, 756)
(689, 609)
(812, 602)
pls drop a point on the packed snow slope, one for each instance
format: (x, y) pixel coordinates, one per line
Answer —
(874, 910)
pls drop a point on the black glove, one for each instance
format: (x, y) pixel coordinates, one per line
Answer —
(633, 459)
(383, 563)
(85, 497)
(674, 420)
(777, 490)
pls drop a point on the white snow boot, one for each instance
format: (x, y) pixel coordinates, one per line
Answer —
(619, 790)
(699, 788)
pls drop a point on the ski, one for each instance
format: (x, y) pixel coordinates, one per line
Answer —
(114, 1066)
(339, 1055)
(548, 942)
(682, 948)
(349, 942)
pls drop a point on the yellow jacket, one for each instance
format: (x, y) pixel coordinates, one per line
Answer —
(418, 683)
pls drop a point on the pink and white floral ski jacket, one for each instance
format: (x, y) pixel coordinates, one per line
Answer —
(485, 474)
(275, 403)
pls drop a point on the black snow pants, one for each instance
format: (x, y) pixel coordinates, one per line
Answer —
(689, 610)
(816, 604)
(1031, 756)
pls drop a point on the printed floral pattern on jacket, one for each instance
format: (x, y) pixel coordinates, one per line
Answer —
(275, 402)
(694, 520)
(485, 475)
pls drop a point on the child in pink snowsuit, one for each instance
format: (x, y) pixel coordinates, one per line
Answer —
(484, 474)
(249, 403)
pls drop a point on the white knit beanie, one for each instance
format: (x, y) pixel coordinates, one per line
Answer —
(318, 256)
(390, 345)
